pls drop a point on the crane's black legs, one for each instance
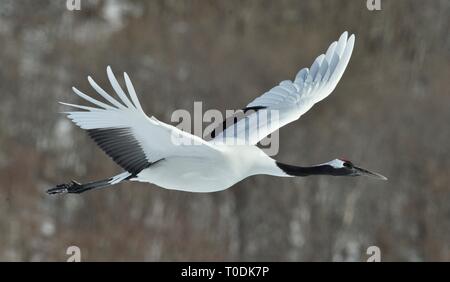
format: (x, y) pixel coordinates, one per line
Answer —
(76, 188)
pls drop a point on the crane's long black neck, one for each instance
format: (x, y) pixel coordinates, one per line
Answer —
(324, 169)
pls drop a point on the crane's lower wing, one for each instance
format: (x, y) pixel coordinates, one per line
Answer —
(289, 100)
(131, 138)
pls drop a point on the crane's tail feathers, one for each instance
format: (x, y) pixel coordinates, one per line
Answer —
(75, 188)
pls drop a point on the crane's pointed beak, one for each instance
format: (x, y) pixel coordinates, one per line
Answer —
(364, 172)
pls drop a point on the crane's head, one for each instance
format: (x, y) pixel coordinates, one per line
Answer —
(346, 167)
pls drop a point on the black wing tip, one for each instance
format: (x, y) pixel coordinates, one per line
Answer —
(224, 125)
(254, 108)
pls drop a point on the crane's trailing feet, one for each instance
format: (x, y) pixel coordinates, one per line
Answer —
(65, 188)
(75, 187)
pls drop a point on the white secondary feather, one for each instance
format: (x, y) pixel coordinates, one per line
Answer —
(157, 140)
(289, 100)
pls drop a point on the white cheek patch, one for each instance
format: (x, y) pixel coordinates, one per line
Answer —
(336, 163)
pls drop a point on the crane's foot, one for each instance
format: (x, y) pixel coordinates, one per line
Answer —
(72, 187)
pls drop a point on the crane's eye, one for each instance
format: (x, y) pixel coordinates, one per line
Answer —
(348, 164)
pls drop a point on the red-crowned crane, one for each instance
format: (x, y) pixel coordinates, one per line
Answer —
(152, 151)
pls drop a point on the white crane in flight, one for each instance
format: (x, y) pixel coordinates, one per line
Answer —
(148, 151)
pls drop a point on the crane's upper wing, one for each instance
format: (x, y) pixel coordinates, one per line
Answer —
(289, 100)
(127, 134)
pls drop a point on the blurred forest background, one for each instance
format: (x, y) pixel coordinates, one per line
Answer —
(389, 113)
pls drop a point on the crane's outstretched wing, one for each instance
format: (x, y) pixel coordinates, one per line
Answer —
(289, 100)
(131, 138)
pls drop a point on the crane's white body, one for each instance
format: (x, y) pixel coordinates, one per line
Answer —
(228, 166)
(148, 149)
